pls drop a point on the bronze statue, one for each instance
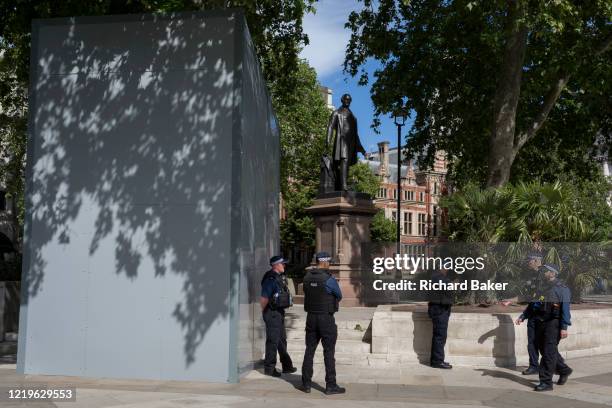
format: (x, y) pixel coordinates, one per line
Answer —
(346, 142)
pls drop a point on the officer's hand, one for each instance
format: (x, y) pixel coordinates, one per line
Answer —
(518, 321)
(563, 334)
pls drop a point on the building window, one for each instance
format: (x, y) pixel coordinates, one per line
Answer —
(422, 224)
(395, 193)
(407, 223)
(408, 195)
(382, 192)
(2, 200)
(435, 221)
(393, 216)
(421, 196)
(436, 188)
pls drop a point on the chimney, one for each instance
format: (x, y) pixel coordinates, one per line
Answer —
(383, 156)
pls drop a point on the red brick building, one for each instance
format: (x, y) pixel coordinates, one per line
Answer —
(420, 217)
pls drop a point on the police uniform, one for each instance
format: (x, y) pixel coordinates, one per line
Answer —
(439, 310)
(321, 297)
(532, 344)
(552, 316)
(530, 310)
(274, 288)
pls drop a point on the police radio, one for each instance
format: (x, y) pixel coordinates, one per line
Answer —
(282, 299)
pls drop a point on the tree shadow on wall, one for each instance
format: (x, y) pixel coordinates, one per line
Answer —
(131, 157)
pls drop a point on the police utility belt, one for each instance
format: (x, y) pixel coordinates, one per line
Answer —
(547, 311)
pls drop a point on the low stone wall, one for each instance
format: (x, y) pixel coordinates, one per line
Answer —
(482, 339)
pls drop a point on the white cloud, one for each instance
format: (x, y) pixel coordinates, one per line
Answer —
(327, 35)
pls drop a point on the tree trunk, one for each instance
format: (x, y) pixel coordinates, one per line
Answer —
(501, 147)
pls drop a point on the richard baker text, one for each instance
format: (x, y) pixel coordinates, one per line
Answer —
(428, 285)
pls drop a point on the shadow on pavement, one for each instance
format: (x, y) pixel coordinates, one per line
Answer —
(508, 376)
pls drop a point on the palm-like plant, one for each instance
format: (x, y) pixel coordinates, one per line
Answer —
(545, 212)
(529, 215)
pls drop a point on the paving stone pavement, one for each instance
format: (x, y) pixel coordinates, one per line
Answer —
(410, 386)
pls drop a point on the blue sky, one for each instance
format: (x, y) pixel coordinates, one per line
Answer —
(328, 40)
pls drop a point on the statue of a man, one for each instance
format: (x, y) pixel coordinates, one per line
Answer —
(346, 142)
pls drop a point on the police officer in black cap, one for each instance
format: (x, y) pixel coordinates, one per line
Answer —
(439, 310)
(534, 262)
(321, 297)
(551, 323)
(275, 298)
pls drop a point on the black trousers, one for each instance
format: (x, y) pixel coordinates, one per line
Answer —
(548, 336)
(532, 344)
(276, 339)
(439, 315)
(320, 327)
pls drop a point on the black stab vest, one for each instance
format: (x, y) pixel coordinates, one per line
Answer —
(316, 298)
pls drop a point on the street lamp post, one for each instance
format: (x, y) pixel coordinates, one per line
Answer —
(399, 119)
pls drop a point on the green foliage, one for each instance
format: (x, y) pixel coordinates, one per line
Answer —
(363, 179)
(529, 212)
(275, 27)
(302, 119)
(298, 228)
(593, 205)
(12, 136)
(445, 61)
(302, 122)
(569, 223)
(382, 229)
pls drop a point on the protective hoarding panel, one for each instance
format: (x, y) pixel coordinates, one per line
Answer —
(132, 264)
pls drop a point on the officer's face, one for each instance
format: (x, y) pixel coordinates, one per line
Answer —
(549, 275)
(279, 267)
(534, 263)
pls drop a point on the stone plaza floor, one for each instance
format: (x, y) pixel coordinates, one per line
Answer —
(409, 386)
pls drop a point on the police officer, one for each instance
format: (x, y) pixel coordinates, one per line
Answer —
(321, 297)
(551, 322)
(534, 262)
(275, 298)
(439, 310)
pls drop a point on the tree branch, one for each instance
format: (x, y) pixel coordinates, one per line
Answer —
(549, 102)
(551, 98)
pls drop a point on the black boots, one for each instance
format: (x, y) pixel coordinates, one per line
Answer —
(530, 371)
(563, 377)
(543, 387)
(334, 389)
(272, 372)
(443, 365)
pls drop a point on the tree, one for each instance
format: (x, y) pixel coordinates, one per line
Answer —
(302, 123)
(363, 179)
(382, 229)
(486, 77)
(275, 27)
(297, 229)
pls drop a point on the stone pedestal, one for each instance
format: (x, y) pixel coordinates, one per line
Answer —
(342, 222)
